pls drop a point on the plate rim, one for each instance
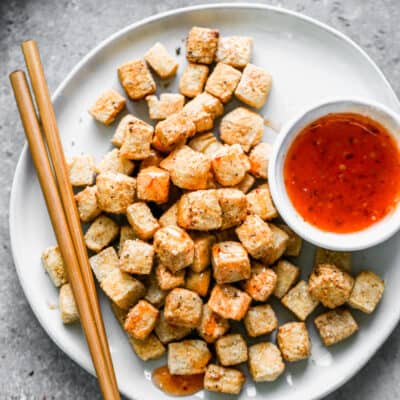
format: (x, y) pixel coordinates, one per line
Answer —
(115, 36)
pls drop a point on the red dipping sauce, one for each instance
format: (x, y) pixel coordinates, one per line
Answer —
(342, 173)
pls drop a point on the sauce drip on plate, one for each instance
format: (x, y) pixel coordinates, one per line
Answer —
(177, 385)
(342, 173)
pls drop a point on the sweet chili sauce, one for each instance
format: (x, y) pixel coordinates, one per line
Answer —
(342, 173)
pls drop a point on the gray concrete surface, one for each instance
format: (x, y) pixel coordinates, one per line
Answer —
(31, 366)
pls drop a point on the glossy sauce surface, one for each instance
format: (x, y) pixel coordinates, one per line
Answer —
(342, 173)
(177, 385)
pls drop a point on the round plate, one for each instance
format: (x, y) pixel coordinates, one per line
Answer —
(309, 62)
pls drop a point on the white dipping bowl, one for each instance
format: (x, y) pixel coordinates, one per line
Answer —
(374, 234)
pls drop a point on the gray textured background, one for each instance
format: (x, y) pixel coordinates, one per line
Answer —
(31, 366)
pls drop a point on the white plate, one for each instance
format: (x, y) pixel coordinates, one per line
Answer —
(309, 61)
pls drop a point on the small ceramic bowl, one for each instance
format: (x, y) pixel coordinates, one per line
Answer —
(373, 235)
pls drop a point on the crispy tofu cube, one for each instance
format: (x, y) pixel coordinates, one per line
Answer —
(183, 308)
(255, 236)
(126, 233)
(287, 275)
(230, 262)
(260, 203)
(235, 50)
(278, 246)
(54, 265)
(367, 292)
(168, 104)
(202, 251)
(189, 169)
(330, 285)
(136, 79)
(230, 165)
(82, 170)
(295, 242)
(101, 233)
(174, 247)
(335, 326)
(259, 160)
(137, 257)
(107, 107)
(265, 362)
(167, 332)
(299, 301)
(142, 220)
(254, 86)
(164, 65)
(206, 143)
(229, 302)
(115, 192)
(260, 320)
(104, 263)
(122, 127)
(223, 380)
(115, 163)
(153, 185)
(242, 126)
(193, 79)
(233, 204)
(148, 349)
(188, 357)
(68, 309)
(201, 45)
(341, 259)
(169, 217)
(153, 160)
(293, 341)
(154, 294)
(261, 283)
(198, 282)
(212, 326)
(86, 201)
(141, 320)
(223, 81)
(231, 349)
(246, 184)
(200, 210)
(168, 280)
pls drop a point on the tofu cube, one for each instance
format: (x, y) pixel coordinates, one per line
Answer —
(229, 302)
(200, 210)
(153, 185)
(330, 285)
(86, 202)
(189, 169)
(188, 357)
(168, 104)
(235, 50)
(167, 332)
(169, 217)
(299, 301)
(223, 380)
(212, 326)
(115, 192)
(193, 79)
(278, 246)
(174, 248)
(168, 280)
(126, 233)
(101, 233)
(183, 308)
(153, 160)
(287, 275)
(115, 163)
(261, 283)
(265, 362)
(293, 341)
(335, 326)
(202, 251)
(154, 294)
(259, 160)
(246, 184)
(231, 349)
(223, 81)
(104, 263)
(230, 165)
(341, 259)
(230, 262)
(260, 320)
(164, 65)
(295, 242)
(137, 257)
(68, 309)
(141, 320)
(242, 126)
(107, 107)
(201, 45)
(254, 86)
(119, 134)
(142, 220)
(367, 292)
(136, 79)
(148, 349)
(260, 203)
(203, 141)
(198, 282)
(54, 265)
(82, 170)
(233, 204)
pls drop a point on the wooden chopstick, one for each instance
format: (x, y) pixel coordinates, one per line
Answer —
(60, 226)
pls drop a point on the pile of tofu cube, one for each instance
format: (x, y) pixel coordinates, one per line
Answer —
(183, 231)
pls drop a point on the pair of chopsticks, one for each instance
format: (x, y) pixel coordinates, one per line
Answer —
(61, 206)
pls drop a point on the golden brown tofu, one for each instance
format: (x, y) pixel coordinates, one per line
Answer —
(137, 257)
(68, 309)
(287, 275)
(168, 280)
(54, 265)
(104, 263)
(261, 283)
(278, 246)
(198, 282)
(201, 45)
(259, 160)
(202, 251)
(167, 332)
(233, 204)
(153, 160)
(342, 259)
(293, 341)
(246, 184)
(168, 104)
(86, 201)
(193, 79)
(235, 50)
(164, 65)
(260, 203)
(101, 233)
(260, 320)
(153, 185)
(231, 349)
(142, 220)
(126, 233)
(107, 107)
(141, 320)
(82, 170)
(212, 326)
(206, 143)
(223, 380)
(148, 349)
(169, 217)
(154, 294)
(115, 163)
(295, 242)
(122, 127)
